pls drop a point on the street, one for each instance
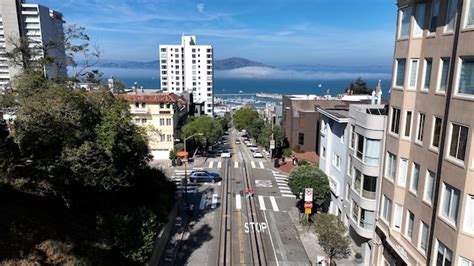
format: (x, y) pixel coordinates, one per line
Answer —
(227, 227)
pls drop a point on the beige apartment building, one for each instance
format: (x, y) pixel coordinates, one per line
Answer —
(161, 114)
(426, 207)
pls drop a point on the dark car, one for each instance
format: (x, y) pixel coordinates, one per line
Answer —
(204, 176)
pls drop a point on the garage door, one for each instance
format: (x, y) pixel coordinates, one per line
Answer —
(160, 154)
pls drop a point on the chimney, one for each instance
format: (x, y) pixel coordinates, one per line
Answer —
(379, 92)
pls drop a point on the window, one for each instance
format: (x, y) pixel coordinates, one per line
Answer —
(443, 83)
(353, 136)
(450, 203)
(415, 177)
(419, 20)
(400, 75)
(360, 146)
(162, 121)
(369, 187)
(465, 262)
(423, 241)
(336, 161)
(402, 173)
(436, 132)
(458, 141)
(301, 139)
(469, 214)
(421, 126)
(445, 255)
(355, 211)
(470, 15)
(397, 219)
(466, 79)
(391, 166)
(357, 180)
(323, 155)
(429, 186)
(405, 22)
(169, 138)
(386, 208)
(367, 219)
(168, 121)
(428, 68)
(372, 150)
(434, 16)
(413, 72)
(144, 121)
(408, 123)
(395, 122)
(349, 165)
(162, 138)
(451, 16)
(409, 224)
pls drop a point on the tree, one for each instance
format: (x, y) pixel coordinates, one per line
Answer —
(255, 127)
(332, 235)
(309, 176)
(359, 86)
(208, 126)
(244, 117)
(8, 150)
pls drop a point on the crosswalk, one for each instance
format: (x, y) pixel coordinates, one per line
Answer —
(218, 164)
(178, 179)
(282, 183)
(261, 203)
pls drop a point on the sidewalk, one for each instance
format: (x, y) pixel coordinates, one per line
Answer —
(168, 169)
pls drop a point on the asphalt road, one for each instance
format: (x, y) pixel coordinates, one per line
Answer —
(228, 228)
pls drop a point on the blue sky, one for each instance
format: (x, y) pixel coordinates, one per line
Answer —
(276, 32)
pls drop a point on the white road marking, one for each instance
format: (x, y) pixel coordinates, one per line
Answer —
(261, 202)
(214, 201)
(288, 195)
(219, 164)
(271, 239)
(238, 202)
(274, 204)
(263, 183)
(202, 205)
(236, 164)
(253, 164)
(261, 165)
(211, 164)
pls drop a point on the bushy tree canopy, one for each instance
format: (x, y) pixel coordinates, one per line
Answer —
(244, 117)
(309, 176)
(210, 127)
(332, 235)
(359, 86)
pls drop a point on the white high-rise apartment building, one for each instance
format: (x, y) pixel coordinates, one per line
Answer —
(189, 67)
(41, 25)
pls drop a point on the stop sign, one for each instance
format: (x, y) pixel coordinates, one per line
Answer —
(308, 205)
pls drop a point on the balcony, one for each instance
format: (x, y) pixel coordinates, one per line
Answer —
(368, 225)
(368, 194)
(140, 110)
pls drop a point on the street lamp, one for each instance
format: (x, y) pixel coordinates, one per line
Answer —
(186, 169)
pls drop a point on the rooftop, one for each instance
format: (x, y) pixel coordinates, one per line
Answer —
(153, 97)
(337, 114)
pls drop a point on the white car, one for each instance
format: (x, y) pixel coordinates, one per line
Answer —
(225, 154)
(253, 149)
(257, 154)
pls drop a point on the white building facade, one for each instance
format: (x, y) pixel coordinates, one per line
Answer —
(41, 25)
(333, 154)
(189, 67)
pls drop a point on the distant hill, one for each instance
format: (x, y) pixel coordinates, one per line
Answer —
(235, 62)
(224, 64)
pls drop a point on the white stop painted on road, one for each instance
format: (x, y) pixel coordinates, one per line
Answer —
(255, 227)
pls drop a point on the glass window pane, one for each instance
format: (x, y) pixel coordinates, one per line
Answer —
(444, 74)
(408, 124)
(466, 81)
(419, 20)
(372, 151)
(428, 67)
(400, 72)
(405, 27)
(434, 15)
(437, 132)
(454, 141)
(415, 177)
(413, 71)
(369, 186)
(402, 174)
(470, 17)
(453, 5)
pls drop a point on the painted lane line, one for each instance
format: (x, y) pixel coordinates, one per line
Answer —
(236, 164)
(271, 240)
(238, 202)
(219, 164)
(280, 175)
(261, 165)
(288, 196)
(214, 201)
(261, 202)
(211, 164)
(253, 164)
(274, 204)
(202, 205)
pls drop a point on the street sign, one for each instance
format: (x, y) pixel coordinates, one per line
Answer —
(308, 205)
(272, 144)
(307, 211)
(308, 194)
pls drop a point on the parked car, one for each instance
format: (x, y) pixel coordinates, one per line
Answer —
(225, 154)
(204, 176)
(253, 149)
(257, 154)
(237, 141)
